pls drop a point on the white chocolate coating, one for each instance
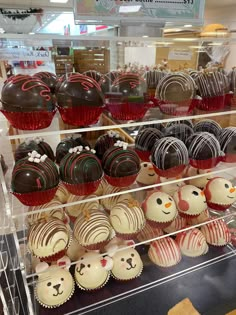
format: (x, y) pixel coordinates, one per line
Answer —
(149, 232)
(127, 218)
(159, 207)
(110, 202)
(75, 210)
(54, 287)
(90, 273)
(216, 233)
(170, 188)
(127, 264)
(147, 175)
(178, 224)
(199, 182)
(192, 243)
(75, 250)
(190, 200)
(164, 252)
(220, 191)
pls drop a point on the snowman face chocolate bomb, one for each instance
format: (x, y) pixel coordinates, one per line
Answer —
(220, 193)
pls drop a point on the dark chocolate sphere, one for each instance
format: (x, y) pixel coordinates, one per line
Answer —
(95, 75)
(120, 162)
(157, 126)
(108, 79)
(153, 77)
(49, 78)
(146, 139)
(80, 168)
(168, 153)
(30, 176)
(80, 90)
(62, 78)
(208, 125)
(177, 122)
(66, 144)
(210, 84)
(204, 150)
(131, 86)
(227, 141)
(105, 142)
(36, 144)
(26, 94)
(3, 164)
(180, 131)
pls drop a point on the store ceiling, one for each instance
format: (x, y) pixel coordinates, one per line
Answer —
(32, 23)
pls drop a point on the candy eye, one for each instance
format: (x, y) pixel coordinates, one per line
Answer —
(195, 193)
(132, 255)
(145, 165)
(81, 258)
(226, 186)
(89, 265)
(159, 201)
(170, 199)
(122, 259)
(49, 284)
(62, 279)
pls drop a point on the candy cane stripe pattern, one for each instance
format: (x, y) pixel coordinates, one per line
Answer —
(216, 233)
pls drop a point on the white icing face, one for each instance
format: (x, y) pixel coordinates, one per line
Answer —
(170, 188)
(127, 264)
(55, 286)
(220, 191)
(160, 207)
(190, 200)
(147, 175)
(201, 181)
(92, 271)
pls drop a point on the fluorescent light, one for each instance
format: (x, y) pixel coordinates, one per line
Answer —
(188, 25)
(129, 9)
(145, 36)
(58, 1)
(31, 33)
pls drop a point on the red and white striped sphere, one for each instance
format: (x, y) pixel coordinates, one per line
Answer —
(216, 233)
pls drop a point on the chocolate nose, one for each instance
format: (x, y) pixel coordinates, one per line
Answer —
(57, 286)
(81, 267)
(129, 261)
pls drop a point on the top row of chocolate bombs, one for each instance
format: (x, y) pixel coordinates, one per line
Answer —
(81, 98)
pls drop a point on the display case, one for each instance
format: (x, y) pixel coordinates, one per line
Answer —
(183, 100)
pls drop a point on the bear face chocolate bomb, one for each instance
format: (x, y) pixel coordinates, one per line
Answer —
(199, 182)
(159, 209)
(27, 103)
(81, 171)
(208, 125)
(228, 144)
(220, 193)
(107, 81)
(105, 142)
(66, 144)
(211, 88)
(147, 175)
(92, 271)
(176, 92)
(126, 101)
(204, 150)
(80, 100)
(179, 131)
(144, 142)
(127, 263)
(192, 243)
(121, 165)
(55, 285)
(165, 252)
(49, 78)
(127, 219)
(169, 157)
(190, 201)
(36, 144)
(49, 239)
(93, 74)
(34, 179)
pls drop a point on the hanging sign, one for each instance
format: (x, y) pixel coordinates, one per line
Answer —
(23, 54)
(139, 10)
